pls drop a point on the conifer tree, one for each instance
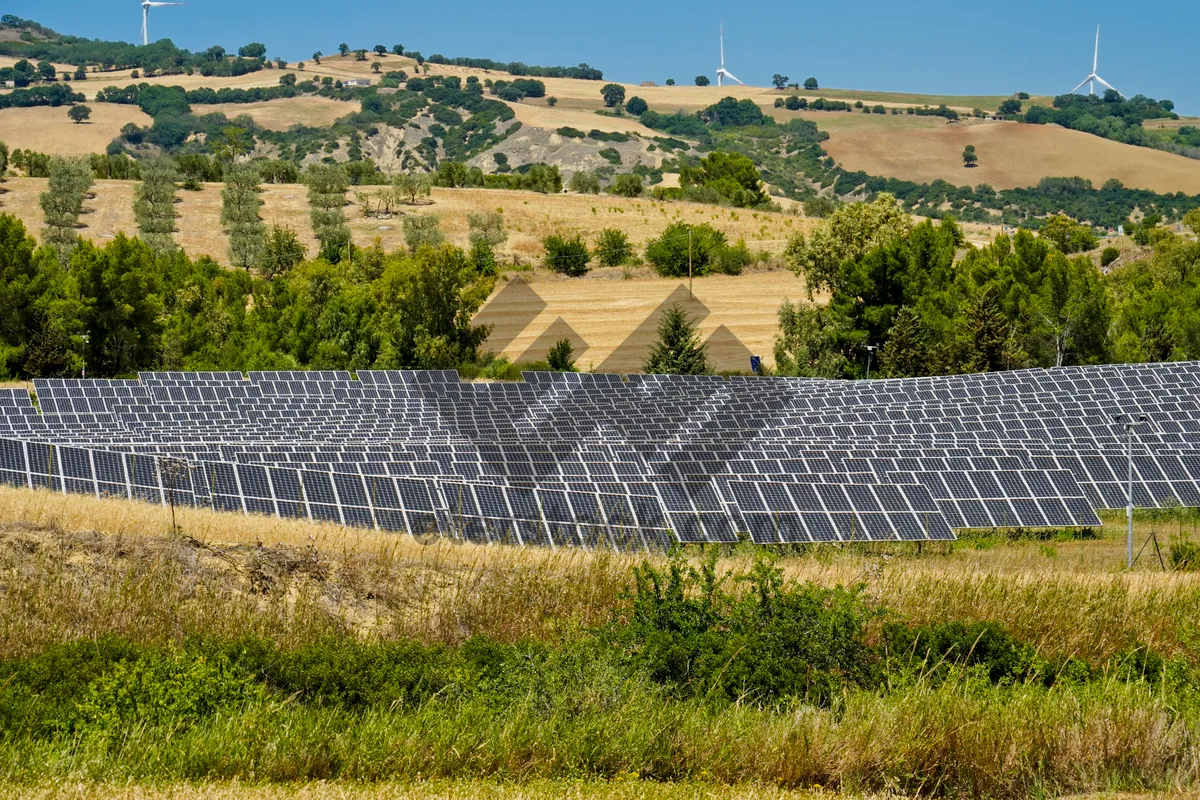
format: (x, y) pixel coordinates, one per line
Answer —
(239, 213)
(988, 330)
(154, 204)
(906, 354)
(678, 350)
(62, 203)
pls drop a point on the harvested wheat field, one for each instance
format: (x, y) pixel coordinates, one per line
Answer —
(48, 130)
(279, 115)
(613, 322)
(1011, 155)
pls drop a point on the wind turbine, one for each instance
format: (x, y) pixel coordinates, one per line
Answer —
(723, 73)
(1092, 77)
(146, 6)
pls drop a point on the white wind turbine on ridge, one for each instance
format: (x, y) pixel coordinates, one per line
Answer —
(146, 6)
(723, 73)
(1093, 77)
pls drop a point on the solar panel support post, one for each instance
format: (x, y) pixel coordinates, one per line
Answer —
(1129, 422)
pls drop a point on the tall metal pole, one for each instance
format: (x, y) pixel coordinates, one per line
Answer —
(690, 264)
(1129, 505)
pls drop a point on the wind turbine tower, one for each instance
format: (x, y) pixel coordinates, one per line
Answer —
(723, 73)
(146, 6)
(1093, 77)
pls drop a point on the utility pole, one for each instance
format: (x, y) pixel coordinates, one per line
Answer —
(86, 338)
(871, 348)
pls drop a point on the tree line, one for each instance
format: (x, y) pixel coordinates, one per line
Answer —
(1021, 301)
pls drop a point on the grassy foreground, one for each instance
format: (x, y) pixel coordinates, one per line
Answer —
(261, 658)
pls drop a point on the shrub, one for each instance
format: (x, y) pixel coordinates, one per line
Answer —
(423, 229)
(561, 356)
(571, 133)
(613, 248)
(567, 255)
(1185, 555)
(585, 182)
(1109, 255)
(669, 253)
(610, 155)
(636, 106)
(627, 185)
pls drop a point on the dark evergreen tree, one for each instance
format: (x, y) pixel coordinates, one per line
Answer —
(678, 350)
(906, 354)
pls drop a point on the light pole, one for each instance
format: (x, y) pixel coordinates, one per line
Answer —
(86, 338)
(1129, 422)
(871, 348)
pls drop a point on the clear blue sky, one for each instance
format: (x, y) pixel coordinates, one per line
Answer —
(935, 46)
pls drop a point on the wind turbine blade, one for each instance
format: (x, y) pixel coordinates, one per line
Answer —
(733, 77)
(1103, 82)
(1082, 83)
(722, 29)
(1096, 54)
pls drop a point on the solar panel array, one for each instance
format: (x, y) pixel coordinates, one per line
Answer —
(637, 461)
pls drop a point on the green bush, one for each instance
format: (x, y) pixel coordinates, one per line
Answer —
(571, 133)
(1109, 255)
(610, 155)
(627, 185)
(1185, 555)
(567, 255)
(613, 248)
(585, 182)
(669, 253)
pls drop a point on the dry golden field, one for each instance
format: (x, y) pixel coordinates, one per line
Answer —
(529, 216)
(279, 115)
(1010, 155)
(48, 130)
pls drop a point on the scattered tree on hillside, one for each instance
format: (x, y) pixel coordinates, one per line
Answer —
(585, 182)
(636, 106)
(344, 49)
(360, 54)
(317, 57)
(376, 67)
(79, 114)
(670, 81)
(779, 81)
(702, 80)
(154, 204)
(678, 350)
(486, 228)
(627, 185)
(282, 252)
(613, 94)
(1009, 107)
(412, 185)
(327, 185)
(380, 50)
(561, 357)
(253, 50)
(62, 203)
(811, 84)
(423, 230)
(47, 71)
(552, 101)
(398, 49)
(968, 156)
(81, 73)
(239, 215)
(1068, 235)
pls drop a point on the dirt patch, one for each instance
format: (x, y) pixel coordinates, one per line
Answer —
(280, 115)
(46, 129)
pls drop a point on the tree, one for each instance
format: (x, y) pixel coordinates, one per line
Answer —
(670, 81)
(360, 54)
(613, 94)
(585, 182)
(79, 114)
(398, 49)
(253, 50)
(627, 185)
(968, 156)
(376, 67)
(988, 332)
(81, 73)
(552, 101)
(1010, 107)
(412, 185)
(636, 106)
(811, 84)
(567, 255)
(683, 247)
(678, 350)
(154, 204)
(451, 174)
(906, 354)
(282, 252)
(561, 356)
(1072, 309)
(702, 80)
(47, 70)
(779, 81)
(731, 175)
(344, 49)
(1068, 235)
(849, 233)
(380, 50)
(317, 57)
(239, 214)
(805, 344)
(327, 185)
(486, 228)
(62, 203)
(613, 248)
(422, 230)
(120, 287)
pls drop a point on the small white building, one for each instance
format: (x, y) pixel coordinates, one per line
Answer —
(357, 82)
